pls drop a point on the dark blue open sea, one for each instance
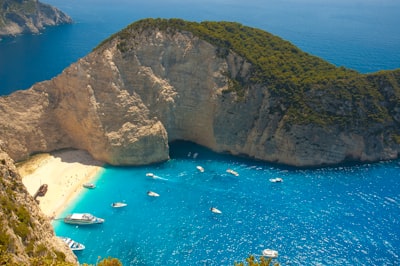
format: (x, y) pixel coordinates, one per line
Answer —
(344, 215)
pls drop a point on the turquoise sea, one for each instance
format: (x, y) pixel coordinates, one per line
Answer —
(343, 215)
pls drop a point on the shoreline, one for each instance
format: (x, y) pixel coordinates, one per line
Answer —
(64, 172)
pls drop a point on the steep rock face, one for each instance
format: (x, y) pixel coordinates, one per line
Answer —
(140, 90)
(26, 234)
(28, 16)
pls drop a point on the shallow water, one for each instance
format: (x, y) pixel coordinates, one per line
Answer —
(345, 215)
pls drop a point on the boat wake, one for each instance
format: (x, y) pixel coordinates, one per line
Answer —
(155, 176)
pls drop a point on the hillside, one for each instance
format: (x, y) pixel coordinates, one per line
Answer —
(26, 235)
(289, 73)
(231, 88)
(28, 16)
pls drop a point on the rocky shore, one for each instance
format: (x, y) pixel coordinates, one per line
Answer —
(21, 17)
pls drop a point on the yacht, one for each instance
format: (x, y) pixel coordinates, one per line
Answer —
(276, 180)
(200, 168)
(232, 172)
(152, 194)
(82, 218)
(215, 210)
(73, 245)
(270, 253)
(89, 185)
(118, 204)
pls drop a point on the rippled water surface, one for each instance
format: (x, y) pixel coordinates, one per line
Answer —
(362, 35)
(346, 215)
(332, 216)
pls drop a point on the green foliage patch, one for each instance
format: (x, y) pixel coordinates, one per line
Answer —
(311, 89)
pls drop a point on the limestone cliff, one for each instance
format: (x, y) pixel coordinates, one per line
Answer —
(163, 80)
(26, 235)
(28, 16)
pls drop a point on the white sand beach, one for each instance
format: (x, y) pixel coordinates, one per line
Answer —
(64, 172)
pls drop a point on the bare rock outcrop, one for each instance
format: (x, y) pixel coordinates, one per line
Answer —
(28, 16)
(27, 237)
(146, 87)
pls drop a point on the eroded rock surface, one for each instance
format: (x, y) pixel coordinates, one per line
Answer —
(130, 97)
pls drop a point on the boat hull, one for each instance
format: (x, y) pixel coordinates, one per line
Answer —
(73, 245)
(118, 205)
(82, 219)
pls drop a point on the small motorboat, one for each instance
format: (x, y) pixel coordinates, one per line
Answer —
(232, 172)
(270, 253)
(73, 245)
(200, 168)
(215, 210)
(89, 185)
(276, 180)
(152, 194)
(155, 176)
(118, 204)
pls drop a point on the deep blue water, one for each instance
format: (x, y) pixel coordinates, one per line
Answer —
(346, 215)
(362, 35)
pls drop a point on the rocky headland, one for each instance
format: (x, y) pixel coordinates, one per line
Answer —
(228, 87)
(28, 16)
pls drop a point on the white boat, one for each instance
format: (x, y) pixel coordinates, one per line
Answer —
(276, 180)
(152, 194)
(232, 172)
(270, 253)
(73, 245)
(118, 204)
(82, 218)
(89, 185)
(215, 210)
(201, 169)
(155, 176)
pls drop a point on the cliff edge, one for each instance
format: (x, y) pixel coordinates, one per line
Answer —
(228, 87)
(28, 16)
(26, 235)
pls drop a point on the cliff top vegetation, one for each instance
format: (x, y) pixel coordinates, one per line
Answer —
(28, 16)
(311, 89)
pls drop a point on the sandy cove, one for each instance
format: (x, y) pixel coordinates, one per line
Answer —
(64, 172)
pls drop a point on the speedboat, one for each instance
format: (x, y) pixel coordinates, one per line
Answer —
(118, 204)
(73, 245)
(270, 253)
(232, 172)
(215, 210)
(82, 218)
(155, 176)
(201, 169)
(152, 194)
(276, 180)
(89, 185)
